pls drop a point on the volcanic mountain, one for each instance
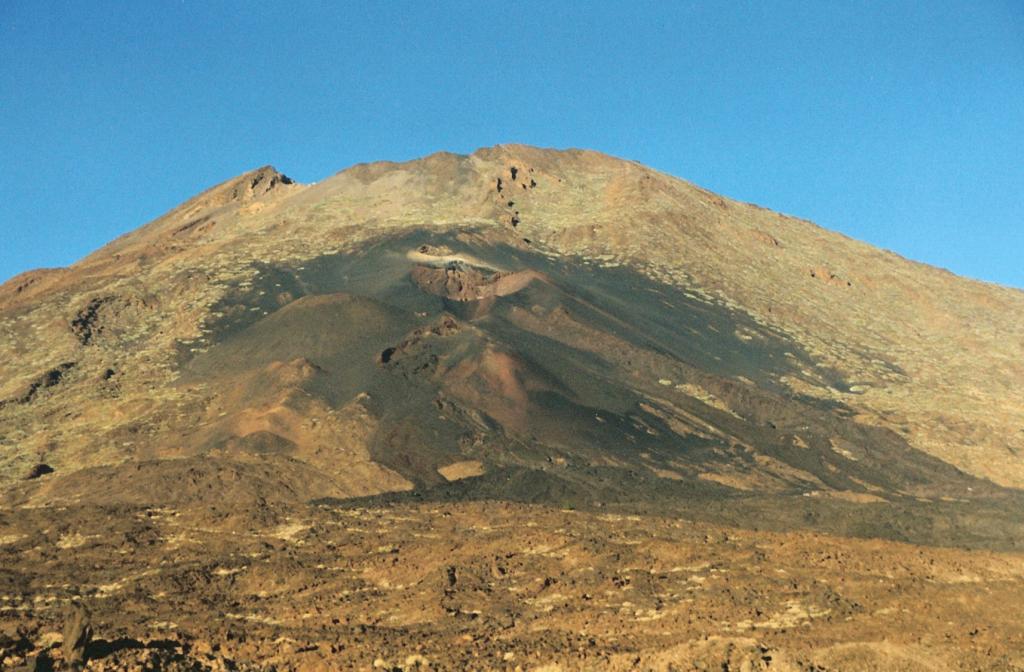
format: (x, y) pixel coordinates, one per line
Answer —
(536, 329)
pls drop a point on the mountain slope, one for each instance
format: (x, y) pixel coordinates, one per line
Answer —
(522, 409)
(541, 307)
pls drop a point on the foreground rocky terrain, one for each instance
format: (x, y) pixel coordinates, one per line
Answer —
(498, 586)
(523, 408)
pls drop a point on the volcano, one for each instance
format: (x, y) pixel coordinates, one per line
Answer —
(558, 408)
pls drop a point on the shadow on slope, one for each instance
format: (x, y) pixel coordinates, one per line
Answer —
(579, 385)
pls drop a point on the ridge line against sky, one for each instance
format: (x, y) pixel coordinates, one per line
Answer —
(899, 124)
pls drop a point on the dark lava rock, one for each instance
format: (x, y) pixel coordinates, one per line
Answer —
(38, 470)
(77, 635)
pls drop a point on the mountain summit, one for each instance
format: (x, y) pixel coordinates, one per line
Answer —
(559, 329)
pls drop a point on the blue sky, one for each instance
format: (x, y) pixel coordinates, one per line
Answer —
(901, 124)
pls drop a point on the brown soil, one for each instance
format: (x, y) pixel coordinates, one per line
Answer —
(494, 587)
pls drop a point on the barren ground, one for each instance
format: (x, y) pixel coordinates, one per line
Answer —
(522, 409)
(495, 586)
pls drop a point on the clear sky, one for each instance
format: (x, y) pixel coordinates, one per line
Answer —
(901, 124)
